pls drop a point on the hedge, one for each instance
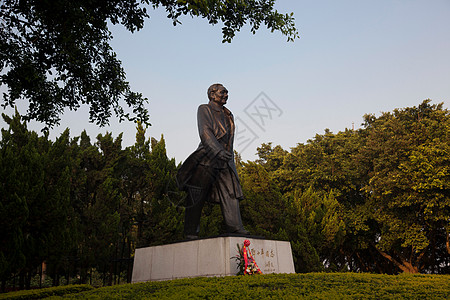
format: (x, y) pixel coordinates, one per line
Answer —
(285, 286)
(47, 292)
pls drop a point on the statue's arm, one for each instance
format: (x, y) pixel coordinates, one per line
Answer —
(206, 131)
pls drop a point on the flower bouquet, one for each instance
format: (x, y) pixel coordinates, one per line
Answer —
(246, 262)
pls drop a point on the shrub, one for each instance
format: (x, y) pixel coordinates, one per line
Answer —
(46, 292)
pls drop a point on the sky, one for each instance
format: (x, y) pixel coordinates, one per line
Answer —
(353, 57)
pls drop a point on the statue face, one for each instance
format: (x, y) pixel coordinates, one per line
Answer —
(221, 96)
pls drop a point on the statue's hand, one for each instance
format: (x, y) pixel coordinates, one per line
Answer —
(224, 155)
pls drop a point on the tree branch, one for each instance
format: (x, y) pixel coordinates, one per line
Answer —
(406, 267)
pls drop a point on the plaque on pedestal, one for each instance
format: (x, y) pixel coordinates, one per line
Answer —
(209, 257)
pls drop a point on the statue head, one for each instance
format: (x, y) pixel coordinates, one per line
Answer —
(218, 93)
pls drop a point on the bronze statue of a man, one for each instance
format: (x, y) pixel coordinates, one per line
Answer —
(209, 174)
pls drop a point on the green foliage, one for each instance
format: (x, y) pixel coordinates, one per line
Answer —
(233, 15)
(47, 292)
(375, 199)
(162, 219)
(263, 208)
(81, 206)
(409, 181)
(240, 260)
(211, 222)
(13, 205)
(57, 54)
(35, 198)
(282, 286)
(372, 200)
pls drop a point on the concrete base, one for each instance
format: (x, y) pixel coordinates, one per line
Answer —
(209, 257)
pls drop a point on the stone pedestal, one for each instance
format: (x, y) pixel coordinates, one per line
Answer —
(209, 257)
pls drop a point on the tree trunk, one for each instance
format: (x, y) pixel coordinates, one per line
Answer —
(21, 280)
(410, 267)
(54, 278)
(361, 263)
(447, 244)
(405, 266)
(40, 276)
(28, 280)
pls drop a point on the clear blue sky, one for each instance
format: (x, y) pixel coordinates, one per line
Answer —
(353, 57)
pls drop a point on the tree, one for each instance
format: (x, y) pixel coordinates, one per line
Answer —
(14, 212)
(263, 208)
(164, 220)
(147, 179)
(35, 199)
(408, 190)
(56, 54)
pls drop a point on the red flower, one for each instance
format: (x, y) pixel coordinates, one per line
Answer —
(246, 243)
